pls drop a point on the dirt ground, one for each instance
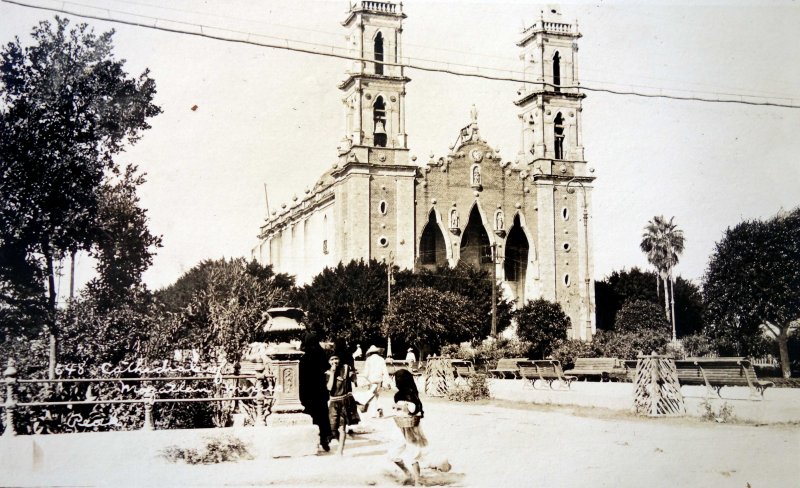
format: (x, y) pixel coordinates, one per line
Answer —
(489, 444)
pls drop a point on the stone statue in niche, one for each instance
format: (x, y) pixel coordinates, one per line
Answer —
(476, 175)
(499, 221)
(454, 219)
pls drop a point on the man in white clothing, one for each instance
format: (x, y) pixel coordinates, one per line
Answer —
(377, 375)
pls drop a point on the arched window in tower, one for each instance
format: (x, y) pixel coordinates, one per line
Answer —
(379, 118)
(558, 136)
(378, 50)
(556, 71)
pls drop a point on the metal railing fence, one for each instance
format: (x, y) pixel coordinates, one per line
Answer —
(261, 393)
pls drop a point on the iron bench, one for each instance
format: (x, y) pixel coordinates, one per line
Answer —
(630, 366)
(548, 370)
(715, 373)
(463, 368)
(603, 369)
(392, 365)
(507, 368)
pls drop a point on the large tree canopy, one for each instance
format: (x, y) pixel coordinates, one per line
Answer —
(124, 247)
(66, 108)
(429, 318)
(543, 324)
(472, 283)
(625, 286)
(752, 281)
(347, 302)
(219, 306)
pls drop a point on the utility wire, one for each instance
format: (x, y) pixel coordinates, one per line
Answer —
(332, 54)
(506, 59)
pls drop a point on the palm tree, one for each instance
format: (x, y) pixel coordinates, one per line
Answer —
(663, 243)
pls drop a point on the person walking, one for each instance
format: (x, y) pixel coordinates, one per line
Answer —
(313, 391)
(408, 413)
(342, 409)
(377, 376)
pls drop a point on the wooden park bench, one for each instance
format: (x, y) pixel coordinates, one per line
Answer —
(630, 369)
(603, 369)
(715, 373)
(507, 368)
(392, 365)
(463, 368)
(548, 370)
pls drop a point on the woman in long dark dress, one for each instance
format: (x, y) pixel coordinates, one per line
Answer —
(313, 389)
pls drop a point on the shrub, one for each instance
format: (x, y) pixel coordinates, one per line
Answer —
(697, 345)
(476, 389)
(724, 415)
(628, 345)
(541, 323)
(217, 450)
(567, 351)
(641, 315)
(487, 353)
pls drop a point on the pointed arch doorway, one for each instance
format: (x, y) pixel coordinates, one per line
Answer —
(515, 265)
(476, 249)
(432, 247)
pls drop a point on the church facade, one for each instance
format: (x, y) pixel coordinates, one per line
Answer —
(530, 219)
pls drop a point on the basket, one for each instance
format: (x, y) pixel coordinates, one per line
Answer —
(407, 421)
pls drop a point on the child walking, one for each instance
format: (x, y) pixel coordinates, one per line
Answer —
(408, 413)
(342, 409)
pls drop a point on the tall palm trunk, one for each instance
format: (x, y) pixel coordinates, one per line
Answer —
(658, 286)
(672, 305)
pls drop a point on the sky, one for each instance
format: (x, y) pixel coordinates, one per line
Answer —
(274, 117)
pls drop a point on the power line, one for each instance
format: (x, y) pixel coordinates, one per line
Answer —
(333, 54)
(506, 59)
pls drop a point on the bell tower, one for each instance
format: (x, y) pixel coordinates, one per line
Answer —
(549, 104)
(550, 100)
(375, 87)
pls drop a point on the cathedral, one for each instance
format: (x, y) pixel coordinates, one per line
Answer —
(530, 219)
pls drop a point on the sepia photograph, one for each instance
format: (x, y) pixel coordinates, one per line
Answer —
(355, 243)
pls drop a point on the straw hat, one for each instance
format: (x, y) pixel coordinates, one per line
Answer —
(372, 349)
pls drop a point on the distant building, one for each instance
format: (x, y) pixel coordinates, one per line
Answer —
(529, 217)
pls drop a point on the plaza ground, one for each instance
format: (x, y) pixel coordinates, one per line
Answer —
(508, 443)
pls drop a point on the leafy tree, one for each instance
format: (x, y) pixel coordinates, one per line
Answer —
(347, 302)
(751, 283)
(424, 316)
(620, 287)
(472, 283)
(92, 334)
(124, 247)
(226, 310)
(663, 243)
(542, 323)
(628, 345)
(689, 308)
(634, 284)
(66, 108)
(698, 345)
(639, 315)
